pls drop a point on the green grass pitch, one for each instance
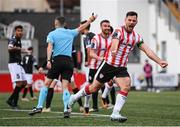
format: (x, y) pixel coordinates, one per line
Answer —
(141, 108)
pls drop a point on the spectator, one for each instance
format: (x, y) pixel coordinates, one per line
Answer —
(148, 74)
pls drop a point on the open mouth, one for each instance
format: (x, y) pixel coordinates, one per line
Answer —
(131, 26)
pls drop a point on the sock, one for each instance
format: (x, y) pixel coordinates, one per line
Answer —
(42, 96)
(17, 90)
(66, 96)
(113, 99)
(87, 101)
(106, 90)
(31, 91)
(107, 99)
(79, 100)
(95, 100)
(49, 97)
(120, 101)
(83, 92)
(25, 92)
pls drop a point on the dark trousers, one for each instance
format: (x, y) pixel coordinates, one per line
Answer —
(149, 81)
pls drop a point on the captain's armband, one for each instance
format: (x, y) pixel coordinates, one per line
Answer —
(140, 43)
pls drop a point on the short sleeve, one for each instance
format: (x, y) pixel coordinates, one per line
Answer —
(50, 38)
(116, 34)
(74, 32)
(94, 43)
(139, 41)
(87, 42)
(11, 43)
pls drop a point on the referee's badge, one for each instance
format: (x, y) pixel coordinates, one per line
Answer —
(101, 76)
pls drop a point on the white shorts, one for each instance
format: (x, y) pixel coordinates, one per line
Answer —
(17, 72)
(29, 78)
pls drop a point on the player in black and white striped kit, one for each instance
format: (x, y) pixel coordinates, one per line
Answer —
(28, 62)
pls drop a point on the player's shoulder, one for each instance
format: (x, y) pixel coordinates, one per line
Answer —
(51, 33)
(91, 34)
(119, 29)
(96, 36)
(138, 35)
(12, 39)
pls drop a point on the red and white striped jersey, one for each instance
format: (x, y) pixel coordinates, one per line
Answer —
(100, 45)
(127, 42)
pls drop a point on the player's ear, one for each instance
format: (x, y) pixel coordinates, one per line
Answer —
(136, 21)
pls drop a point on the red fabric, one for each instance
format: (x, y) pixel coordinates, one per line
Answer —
(123, 93)
(87, 90)
(5, 85)
(38, 82)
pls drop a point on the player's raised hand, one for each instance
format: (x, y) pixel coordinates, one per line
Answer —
(93, 17)
(163, 64)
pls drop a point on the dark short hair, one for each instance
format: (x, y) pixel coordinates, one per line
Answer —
(18, 27)
(111, 29)
(60, 19)
(131, 13)
(88, 27)
(30, 48)
(107, 21)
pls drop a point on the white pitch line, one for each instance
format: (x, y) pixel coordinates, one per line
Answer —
(28, 117)
(39, 117)
(73, 113)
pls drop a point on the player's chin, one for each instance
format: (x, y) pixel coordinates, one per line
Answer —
(130, 28)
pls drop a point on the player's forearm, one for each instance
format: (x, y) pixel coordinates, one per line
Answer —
(114, 47)
(153, 56)
(83, 26)
(12, 49)
(90, 20)
(94, 55)
(49, 53)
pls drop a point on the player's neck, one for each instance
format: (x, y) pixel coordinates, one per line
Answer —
(129, 32)
(59, 27)
(104, 35)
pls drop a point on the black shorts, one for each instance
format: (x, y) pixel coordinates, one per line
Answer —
(107, 72)
(92, 73)
(62, 65)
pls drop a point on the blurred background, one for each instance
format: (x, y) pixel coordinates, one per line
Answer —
(158, 24)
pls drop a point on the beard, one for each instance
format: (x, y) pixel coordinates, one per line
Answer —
(106, 31)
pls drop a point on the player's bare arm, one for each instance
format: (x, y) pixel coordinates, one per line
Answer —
(152, 55)
(49, 53)
(14, 48)
(94, 55)
(114, 46)
(90, 20)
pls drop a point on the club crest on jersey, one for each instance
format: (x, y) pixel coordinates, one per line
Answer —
(101, 76)
(115, 34)
(92, 45)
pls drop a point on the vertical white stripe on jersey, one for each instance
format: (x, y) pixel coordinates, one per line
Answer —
(100, 67)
